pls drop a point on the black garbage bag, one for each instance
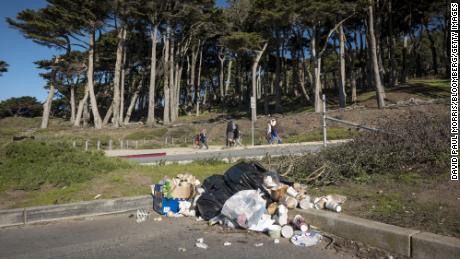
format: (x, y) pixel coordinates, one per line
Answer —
(218, 188)
(212, 200)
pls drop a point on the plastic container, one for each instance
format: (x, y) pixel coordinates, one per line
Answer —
(283, 219)
(299, 222)
(274, 231)
(287, 231)
(334, 206)
(306, 204)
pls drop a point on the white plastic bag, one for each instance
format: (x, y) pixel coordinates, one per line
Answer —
(245, 208)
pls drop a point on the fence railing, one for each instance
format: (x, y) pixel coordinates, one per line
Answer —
(349, 123)
(112, 144)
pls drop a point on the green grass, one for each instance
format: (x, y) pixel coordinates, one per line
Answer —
(27, 165)
(437, 83)
(45, 174)
(119, 183)
(317, 135)
(435, 88)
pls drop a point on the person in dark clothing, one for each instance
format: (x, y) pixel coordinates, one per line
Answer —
(203, 139)
(230, 134)
(237, 135)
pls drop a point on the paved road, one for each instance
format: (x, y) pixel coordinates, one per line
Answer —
(121, 237)
(273, 150)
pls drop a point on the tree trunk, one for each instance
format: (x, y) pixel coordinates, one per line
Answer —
(375, 66)
(108, 115)
(404, 61)
(278, 79)
(72, 104)
(153, 72)
(133, 101)
(172, 80)
(353, 87)
(254, 78)
(229, 75)
(193, 78)
(90, 75)
(80, 108)
(434, 55)
(198, 85)
(392, 56)
(122, 85)
(117, 77)
(86, 114)
(47, 106)
(221, 74)
(166, 75)
(342, 93)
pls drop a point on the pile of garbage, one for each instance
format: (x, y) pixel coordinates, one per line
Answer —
(246, 196)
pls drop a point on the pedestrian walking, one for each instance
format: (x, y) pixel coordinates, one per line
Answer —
(273, 131)
(203, 139)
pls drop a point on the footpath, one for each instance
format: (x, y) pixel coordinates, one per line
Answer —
(212, 149)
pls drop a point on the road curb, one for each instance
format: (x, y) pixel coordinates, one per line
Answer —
(14, 217)
(404, 241)
(429, 245)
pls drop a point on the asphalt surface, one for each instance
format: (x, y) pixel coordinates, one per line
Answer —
(253, 152)
(119, 236)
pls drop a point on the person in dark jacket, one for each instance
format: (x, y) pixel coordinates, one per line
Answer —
(203, 139)
(237, 135)
(230, 134)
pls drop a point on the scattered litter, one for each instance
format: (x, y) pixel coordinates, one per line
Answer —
(97, 196)
(274, 231)
(306, 238)
(299, 222)
(182, 249)
(246, 196)
(200, 243)
(141, 216)
(245, 208)
(287, 231)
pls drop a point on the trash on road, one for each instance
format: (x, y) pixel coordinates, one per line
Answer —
(141, 216)
(200, 243)
(246, 196)
(299, 222)
(306, 238)
(274, 231)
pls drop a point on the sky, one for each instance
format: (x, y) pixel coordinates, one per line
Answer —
(23, 77)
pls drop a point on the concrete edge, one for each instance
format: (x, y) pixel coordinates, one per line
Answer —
(429, 245)
(31, 215)
(403, 241)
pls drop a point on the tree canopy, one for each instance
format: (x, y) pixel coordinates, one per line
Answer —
(155, 60)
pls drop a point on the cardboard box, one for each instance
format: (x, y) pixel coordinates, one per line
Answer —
(162, 204)
(183, 191)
